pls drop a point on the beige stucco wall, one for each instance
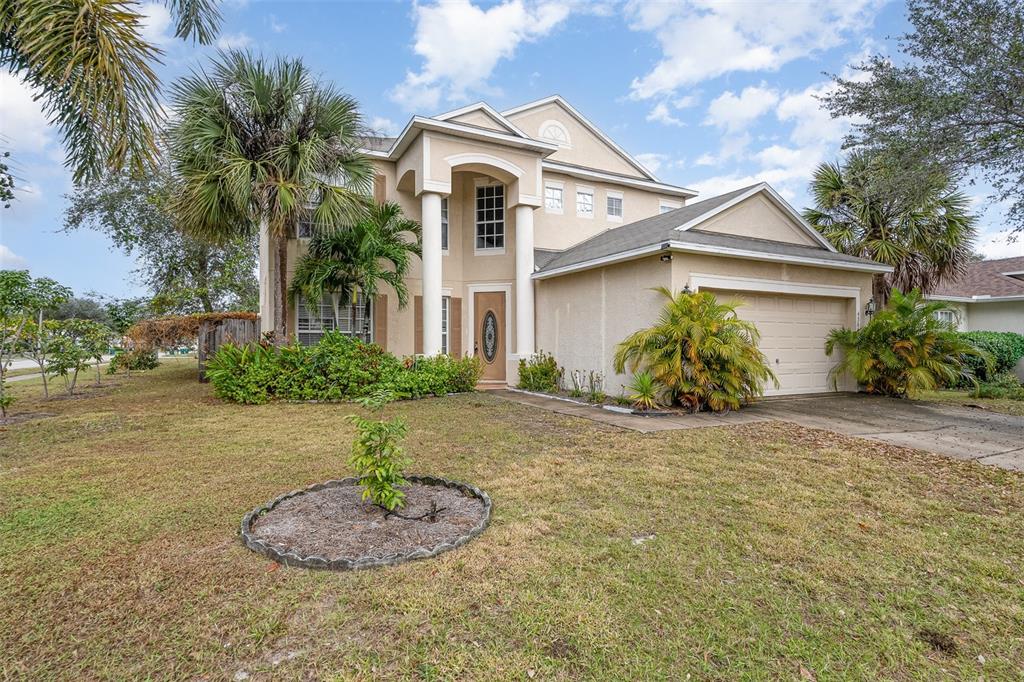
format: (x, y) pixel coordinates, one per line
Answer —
(583, 316)
(758, 217)
(1004, 316)
(586, 148)
(479, 118)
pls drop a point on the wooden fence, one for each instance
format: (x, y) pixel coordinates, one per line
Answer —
(212, 335)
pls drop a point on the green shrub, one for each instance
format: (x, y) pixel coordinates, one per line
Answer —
(904, 348)
(644, 391)
(377, 456)
(134, 360)
(1005, 385)
(1006, 349)
(336, 368)
(704, 355)
(540, 373)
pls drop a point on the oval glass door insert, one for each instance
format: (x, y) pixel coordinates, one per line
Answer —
(490, 336)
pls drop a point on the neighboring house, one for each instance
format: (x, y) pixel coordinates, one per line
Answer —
(540, 232)
(990, 297)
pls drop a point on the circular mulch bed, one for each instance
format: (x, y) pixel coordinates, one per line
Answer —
(329, 526)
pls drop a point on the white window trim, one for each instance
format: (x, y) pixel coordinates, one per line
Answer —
(584, 189)
(498, 250)
(554, 184)
(558, 124)
(669, 204)
(372, 323)
(614, 194)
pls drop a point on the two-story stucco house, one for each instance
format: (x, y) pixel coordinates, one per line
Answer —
(540, 232)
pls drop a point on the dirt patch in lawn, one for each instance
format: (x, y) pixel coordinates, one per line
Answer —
(335, 523)
(24, 417)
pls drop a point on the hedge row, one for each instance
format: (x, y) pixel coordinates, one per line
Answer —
(1005, 348)
(336, 368)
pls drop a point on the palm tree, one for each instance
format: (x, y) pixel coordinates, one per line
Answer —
(904, 348)
(926, 235)
(92, 67)
(349, 262)
(256, 145)
(700, 351)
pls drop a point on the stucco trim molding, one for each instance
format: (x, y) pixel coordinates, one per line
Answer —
(775, 286)
(485, 159)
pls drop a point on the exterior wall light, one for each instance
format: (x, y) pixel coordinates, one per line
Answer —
(869, 309)
(666, 257)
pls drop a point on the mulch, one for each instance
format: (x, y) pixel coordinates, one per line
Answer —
(336, 523)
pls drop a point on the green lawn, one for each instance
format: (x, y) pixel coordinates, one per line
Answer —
(776, 549)
(1004, 405)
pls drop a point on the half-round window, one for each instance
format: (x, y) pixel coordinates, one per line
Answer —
(553, 131)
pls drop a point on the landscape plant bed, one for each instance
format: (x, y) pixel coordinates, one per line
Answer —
(329, 525)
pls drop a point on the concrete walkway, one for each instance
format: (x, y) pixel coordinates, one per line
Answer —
(960, 432)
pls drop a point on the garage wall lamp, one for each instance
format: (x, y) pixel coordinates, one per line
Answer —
(869, 309)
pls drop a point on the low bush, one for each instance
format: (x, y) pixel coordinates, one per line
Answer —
(540, 373)
(1005, 385)
(377, 454)
(132, 361)
(1005, 348)
(336, 368)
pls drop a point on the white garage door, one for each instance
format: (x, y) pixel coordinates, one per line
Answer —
(793, 331)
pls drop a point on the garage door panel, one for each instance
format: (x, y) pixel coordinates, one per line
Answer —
(793, 331)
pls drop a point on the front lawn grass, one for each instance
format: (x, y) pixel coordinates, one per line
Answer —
(1003, 405)
(778, 552)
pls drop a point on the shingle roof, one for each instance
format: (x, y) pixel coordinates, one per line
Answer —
(662, 228)
(987, 278)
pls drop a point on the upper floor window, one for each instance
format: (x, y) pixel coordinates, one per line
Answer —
(614, 202)
(666, 206)
(553, 131)
(553, 193)
(444, 223)
(490, 217)
(584, 202)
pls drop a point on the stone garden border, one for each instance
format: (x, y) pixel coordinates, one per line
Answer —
(359, 563)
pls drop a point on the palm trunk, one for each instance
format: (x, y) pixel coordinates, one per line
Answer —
(879, 291)
(281, 292)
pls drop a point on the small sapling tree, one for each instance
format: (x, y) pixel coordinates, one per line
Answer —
(377, 456)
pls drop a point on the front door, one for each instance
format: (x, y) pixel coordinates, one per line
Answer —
(489, 333)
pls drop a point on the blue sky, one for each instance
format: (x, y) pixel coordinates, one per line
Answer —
(709, 95)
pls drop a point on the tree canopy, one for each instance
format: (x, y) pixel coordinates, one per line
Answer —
(955, 100)
(184, 274)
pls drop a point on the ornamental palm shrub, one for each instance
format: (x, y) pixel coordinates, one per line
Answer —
(903, 349)
(704, 355)
(644, 391)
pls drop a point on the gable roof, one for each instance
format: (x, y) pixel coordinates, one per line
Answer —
(586, 123)
(488, 111)
(662, 232)
(986, 279)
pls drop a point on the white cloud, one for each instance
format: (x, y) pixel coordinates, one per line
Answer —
(234, 41)
(661, 114)
(21, 118)
(652, 161)
(156, 19)
(384, 126)
(275, 25)
(736, 112)
(704, 39)
(461, 45)
(10, 260)
(685, 102)
(732, 147)
(998, 245)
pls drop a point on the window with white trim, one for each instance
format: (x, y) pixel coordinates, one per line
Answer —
(947, 316)
(490, 217)
(553, 198)
(444, 223)
(614, 207)
(584, 202)
(446, 316)
(312, 324)
(666, 206)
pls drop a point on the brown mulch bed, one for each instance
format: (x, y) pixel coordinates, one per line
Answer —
(24, 417)
(336, 523)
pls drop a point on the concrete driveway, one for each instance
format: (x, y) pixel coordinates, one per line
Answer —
(961, 432)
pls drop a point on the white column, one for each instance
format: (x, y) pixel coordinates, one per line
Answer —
(524, 285)
(431, 220)
(266, 280)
